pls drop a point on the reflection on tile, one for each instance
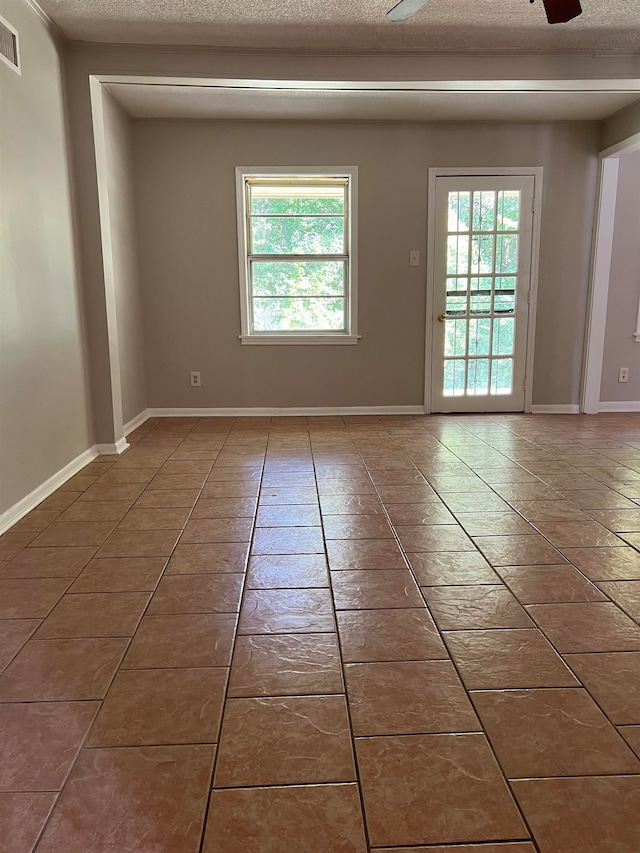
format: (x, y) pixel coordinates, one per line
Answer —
(114, 614)
(548, 584)
(197, 594)
(434, 777)
(407, 697)
(309, 818)
(56, 670)
(552, 733)
(518, 550)
(389, 635)
(204, 559)
(185, 640)
(161, 706)
(39, 742)
(364, 554)
(287, 540)
(606, 564)
(457, 608)
(458, 568)
(507, 659)
(594, 627)
(289, 740)
(582, 815)
(370, 590)
(287, 571)
(286, 664)
(48, 563)
(13, 635)
(22, 817)
(150, 798)
(286, 611)
(614, 682)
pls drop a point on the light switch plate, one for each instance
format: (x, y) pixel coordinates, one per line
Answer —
(414, 258)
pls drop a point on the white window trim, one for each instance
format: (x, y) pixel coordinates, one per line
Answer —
(298, 339)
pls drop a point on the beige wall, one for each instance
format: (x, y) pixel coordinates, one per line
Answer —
(44, 407)
(620, 348)
(189, 265)
(620, 126)
(118, 151)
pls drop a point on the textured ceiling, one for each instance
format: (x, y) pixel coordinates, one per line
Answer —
(199, 102)
(350, 25)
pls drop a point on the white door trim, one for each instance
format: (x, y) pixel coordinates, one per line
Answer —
(603, 234)
(537, 173)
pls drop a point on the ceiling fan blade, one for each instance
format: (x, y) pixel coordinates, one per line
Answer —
(405, 9)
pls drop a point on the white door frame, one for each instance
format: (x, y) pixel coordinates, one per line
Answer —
(603, 234)
(501, 172)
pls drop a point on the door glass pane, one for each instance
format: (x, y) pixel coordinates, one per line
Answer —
(480, 303)
(478, 376)
(482, 253)
(459, 211)
(457, 284)
(503, 335)
(457, 304)
(506, 253)
(457, 255)
(508, 218)
(479, 335)
(454, 378)
(484, 210)
(502, 376)
(455, 337)
(504, 303)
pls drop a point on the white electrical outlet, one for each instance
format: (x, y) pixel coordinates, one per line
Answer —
(195, 379)
(623, 374)
(414, 258)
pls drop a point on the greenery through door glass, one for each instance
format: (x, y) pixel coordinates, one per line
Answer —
(298, 257)
(482, 266)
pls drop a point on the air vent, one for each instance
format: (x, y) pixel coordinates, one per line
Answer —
(9, 53)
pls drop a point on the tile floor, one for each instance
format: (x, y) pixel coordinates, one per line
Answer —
(329, 635)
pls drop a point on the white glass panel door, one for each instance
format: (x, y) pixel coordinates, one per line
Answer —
(482, 272)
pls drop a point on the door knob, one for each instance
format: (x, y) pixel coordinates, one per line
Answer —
(442, 317)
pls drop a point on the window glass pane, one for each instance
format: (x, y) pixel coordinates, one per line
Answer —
(484, 210)
(301, 235)
(479, 334)
(482, 253)
(502, 376)
(459, 211)
(477, 376)
(457, 284)
(480, 303)
(298, 314)
(298, 278)
(457, 304)
(458, 255)
(297, 200)
(455, 337)
(508, 210)
(504, 303)
(507, 253)
(503, 335)
(454, 378)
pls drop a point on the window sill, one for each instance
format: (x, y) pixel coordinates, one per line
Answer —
(299, 340)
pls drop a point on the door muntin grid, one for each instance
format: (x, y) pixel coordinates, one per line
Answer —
(482, 251)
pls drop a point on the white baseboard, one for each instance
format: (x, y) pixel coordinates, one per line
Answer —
(621, 406)
(30, 501)
(134, 423)
(562, 409)
(113, 449)
(310, 411)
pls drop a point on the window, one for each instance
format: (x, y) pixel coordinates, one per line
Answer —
(296, 236)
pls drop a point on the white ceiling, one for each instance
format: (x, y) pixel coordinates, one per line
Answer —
(350, 25)
(202, 102)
